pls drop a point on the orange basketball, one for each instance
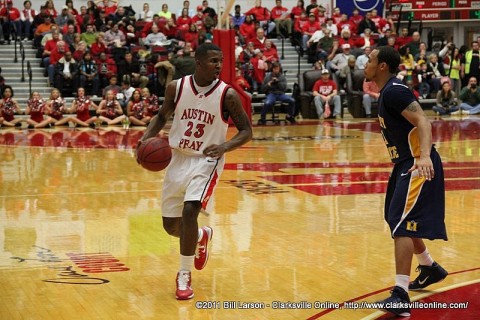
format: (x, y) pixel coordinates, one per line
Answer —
(154, 154)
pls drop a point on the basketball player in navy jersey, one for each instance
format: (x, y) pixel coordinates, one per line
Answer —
(415, 199)
(202, 104)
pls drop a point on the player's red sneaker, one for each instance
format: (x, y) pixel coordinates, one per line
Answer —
(201, 253)
(184, 289)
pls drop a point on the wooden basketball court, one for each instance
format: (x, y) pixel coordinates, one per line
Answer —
(298, 227)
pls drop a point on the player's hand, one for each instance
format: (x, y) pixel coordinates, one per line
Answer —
(424, 166)
(214, 151)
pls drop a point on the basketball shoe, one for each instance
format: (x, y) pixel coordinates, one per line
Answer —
(201, 252)
(428, 275)
(397, 303)
(184, 282)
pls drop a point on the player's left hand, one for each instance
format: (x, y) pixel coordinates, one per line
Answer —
(424, 166)
(214, 151)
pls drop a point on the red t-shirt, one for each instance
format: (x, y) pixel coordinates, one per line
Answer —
(324, 87)
(277, 12)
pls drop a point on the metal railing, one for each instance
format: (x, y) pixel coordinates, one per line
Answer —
(29, 72)
(22, 54)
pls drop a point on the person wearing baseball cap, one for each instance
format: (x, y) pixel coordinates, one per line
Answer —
(325, 94)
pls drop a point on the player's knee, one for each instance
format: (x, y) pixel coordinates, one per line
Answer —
(172, 226)
(191, 210)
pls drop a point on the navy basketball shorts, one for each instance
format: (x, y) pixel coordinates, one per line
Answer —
(415, 207)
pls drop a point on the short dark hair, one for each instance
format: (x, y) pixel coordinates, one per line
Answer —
(203, 49)
(390, 56)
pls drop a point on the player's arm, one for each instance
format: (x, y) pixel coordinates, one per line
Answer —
(415, 115)
(233, 106)
(165, 112)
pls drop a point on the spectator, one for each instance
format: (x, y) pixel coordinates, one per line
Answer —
(259, 40)
(309, 29)
(346, 71)
(146, 14)
(241, 81)
(71, 9)
(51, 9)
(346, 24)
(102, 22)
(80, 51)
(298, 9)
(362, 59)
(164, 13)
(247, 29)
(403, 39)
(63, 18)
(198, 19)
(109, 6)
(436, 68)
(147, 28)
(184, 62)
(129, 69)
(366, 40)
(325, 93)
(115, 38)
(114, 87)
(371, 93)
(155, 38)
(367, 23)
(339, 61)
(326, 47)
(470, 63)
(383, 41)
(209, 11)
(184, 20)
(332, 27)
(89, 74)
(27, 16)
(424, 78)
(270, 53)
(69, 37)
(446, 103)
(281, 17)
(99, 46)
(186, 5)
(470, 96)
(192, 36)
(355, 19)
(336, 16)
(50, 45)
(262, 15)
(455, 70)
(275, 86)
(407, 64)
(89, 36)
(56, 54)
(259, 68)
(66, 71)
(107, 68)
(414, 45)
(237, 18)
(10, 18)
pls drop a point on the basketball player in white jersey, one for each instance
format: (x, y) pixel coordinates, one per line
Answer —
(202, 104)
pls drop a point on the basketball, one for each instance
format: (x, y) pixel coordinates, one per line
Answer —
(154, 154)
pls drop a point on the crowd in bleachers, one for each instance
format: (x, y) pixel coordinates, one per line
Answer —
(104, 45)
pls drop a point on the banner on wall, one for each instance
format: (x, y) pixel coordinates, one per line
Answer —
(362, 5)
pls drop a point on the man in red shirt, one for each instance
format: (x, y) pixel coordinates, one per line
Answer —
(325, 94)
(282, 19)
(55, 55)
(309, 29)
(404, 39)
(261, 15)
(10, 18)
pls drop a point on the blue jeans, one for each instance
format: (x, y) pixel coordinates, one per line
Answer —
(469, 108)
(274, 97)
(442, 110)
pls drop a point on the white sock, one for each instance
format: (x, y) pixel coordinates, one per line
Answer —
(186, 263)
(424, 258)
(402, 281)
(200, 234)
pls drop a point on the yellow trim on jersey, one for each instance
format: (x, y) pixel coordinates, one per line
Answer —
(414, 188)
(414, 142)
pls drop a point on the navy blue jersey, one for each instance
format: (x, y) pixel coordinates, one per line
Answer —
(400, 136)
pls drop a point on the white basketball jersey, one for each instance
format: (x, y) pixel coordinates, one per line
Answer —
(198, 121)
